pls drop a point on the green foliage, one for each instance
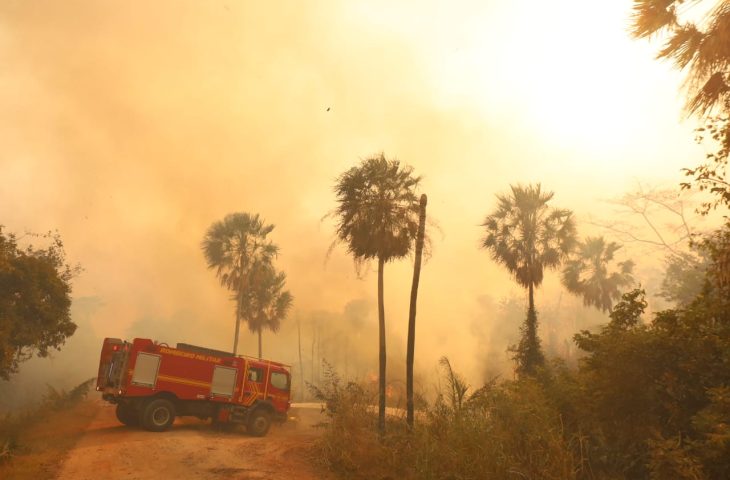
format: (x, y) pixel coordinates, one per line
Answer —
(528, 352)
(647, 390)
(717, 246)
(712, 176)
(586, 273)
(35, 300)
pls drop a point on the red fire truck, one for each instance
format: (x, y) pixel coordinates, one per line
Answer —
(152, 383)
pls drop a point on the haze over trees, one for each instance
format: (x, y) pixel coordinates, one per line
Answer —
(527, 237)
(587, 275)
(238, 249)
(35, 300)
(266, 303)
(377, 217)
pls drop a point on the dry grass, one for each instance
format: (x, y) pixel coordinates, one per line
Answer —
(34, 443)
(499, 431)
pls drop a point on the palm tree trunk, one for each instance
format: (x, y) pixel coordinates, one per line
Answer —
(412, 311)
(239, 305)
(259, 343)
(381, 331)
(531, 354)
(238, 324)
(301, 364)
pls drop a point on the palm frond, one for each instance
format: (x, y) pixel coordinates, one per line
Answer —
(526, 236)
(651, 16)
(377, 210)
(587, 275)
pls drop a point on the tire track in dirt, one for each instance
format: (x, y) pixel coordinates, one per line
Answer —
(193, 449)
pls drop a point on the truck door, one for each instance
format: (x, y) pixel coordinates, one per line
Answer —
(279, 383)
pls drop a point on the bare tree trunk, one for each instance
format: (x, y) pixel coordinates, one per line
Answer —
(381, 329)
(314, 339)
(347, 357)
(412, 311)
(319, 355)
(301, 364)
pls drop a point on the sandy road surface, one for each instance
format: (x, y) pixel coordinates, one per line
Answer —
(192, 449)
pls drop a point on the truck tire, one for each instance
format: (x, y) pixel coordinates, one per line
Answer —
(258, 423)
(127, 415)
(158, 415)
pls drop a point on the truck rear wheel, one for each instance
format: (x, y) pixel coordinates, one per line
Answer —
(158, 415)
(127, 415)
(258, 423)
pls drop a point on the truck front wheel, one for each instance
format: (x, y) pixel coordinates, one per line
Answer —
(127, 415)
(259, 423)
(158, 415)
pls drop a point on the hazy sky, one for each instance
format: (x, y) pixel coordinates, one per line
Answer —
(131, 126)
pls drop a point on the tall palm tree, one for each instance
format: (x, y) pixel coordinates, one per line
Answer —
(377, 219)
(587, 273)
(266, 303)
(528, 237)
(236, 247)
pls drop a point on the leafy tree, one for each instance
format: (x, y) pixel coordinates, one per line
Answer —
(266, 303)
(717, 247)
(237, 248)
(35, 301)
(652, 395)
(587, 273)
(700, 49)
(527, 236)
(377, 219)
(684, 277)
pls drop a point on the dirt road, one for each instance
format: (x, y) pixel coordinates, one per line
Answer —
(192, 449)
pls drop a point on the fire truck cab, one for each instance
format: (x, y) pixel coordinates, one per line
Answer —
(152, 383)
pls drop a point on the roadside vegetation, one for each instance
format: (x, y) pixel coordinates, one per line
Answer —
(34, 441)
(649, 399)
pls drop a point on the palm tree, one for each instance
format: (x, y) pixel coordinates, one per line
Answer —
(587, 273)
(698, 48)
(377, 218)
(697, 45)
(528, 237)
(266, 303)
(236, 247)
